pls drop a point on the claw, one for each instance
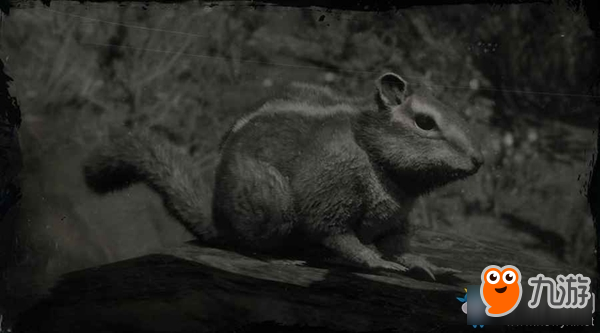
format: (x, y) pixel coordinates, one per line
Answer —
(448, 271)
(415, 262)
(392, 266)
(424, 269)
(401, 267)
(389, 266)
(428, 271)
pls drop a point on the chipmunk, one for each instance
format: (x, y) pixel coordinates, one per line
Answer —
(312, 169)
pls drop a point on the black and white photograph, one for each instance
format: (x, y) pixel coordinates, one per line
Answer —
(241, 166)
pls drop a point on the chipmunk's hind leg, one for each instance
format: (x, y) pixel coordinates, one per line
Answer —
(253, 203)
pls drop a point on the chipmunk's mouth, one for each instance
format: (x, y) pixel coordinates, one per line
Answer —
(501, 290)
(465, 172)
(460, 174)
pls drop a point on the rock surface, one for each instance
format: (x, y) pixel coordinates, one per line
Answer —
(200, 289)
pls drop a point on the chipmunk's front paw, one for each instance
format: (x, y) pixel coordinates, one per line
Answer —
(387, 265)
(370, 261)
(417, 263)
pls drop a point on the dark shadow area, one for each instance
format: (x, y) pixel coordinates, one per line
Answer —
(548, 241)
(10, 190)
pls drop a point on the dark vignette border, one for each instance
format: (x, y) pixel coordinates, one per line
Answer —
(10, 121)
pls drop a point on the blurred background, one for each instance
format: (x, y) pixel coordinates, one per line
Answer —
(524, 75)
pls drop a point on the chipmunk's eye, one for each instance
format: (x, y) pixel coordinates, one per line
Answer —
(425, 122)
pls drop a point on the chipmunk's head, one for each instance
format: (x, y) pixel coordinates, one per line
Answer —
(421, 141)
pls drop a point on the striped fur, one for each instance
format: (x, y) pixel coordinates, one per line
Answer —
(310, 170)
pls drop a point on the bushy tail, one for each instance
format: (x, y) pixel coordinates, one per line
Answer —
(129, 158)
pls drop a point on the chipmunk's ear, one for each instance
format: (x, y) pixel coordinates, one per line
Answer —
(391, 90)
